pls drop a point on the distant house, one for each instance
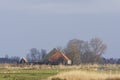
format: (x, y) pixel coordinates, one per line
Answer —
(57, 57)
(23, 60)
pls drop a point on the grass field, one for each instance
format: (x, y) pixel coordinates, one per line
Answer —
(47, 72)
(26, 74)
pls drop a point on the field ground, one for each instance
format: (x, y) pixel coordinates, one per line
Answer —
(24, 74)
(60, 72)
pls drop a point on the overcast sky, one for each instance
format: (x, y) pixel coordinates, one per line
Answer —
(26, 24)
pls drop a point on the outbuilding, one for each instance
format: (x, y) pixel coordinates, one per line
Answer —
(23, 60)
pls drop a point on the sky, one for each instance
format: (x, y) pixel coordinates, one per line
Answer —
(45, 24)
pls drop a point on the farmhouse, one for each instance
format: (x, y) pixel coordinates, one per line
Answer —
(60, 57)
(57, 57)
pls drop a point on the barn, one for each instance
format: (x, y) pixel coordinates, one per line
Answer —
(57, 57)
(60, 57)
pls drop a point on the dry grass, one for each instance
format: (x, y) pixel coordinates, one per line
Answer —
(82, 66)
(76, 72)
(85, 75)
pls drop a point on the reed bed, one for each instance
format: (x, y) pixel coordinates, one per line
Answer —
(85, 75)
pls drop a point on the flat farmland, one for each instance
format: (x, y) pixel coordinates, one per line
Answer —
(26, 74)
(60, 72)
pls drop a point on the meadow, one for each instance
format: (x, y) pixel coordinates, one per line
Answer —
(59, 72)
(26, 73)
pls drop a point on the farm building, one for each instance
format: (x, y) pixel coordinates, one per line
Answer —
(23, 60)
(60, 58)
(57, 57)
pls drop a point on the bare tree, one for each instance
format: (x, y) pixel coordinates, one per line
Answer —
(43, 53)
(34, 55)
(28, 56)
(97, 47)
(74, 50)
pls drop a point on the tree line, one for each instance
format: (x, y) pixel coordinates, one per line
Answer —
(79, 51)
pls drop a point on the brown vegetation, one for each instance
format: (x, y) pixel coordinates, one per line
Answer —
(85, 75)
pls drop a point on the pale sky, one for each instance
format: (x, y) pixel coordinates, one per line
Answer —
(26, 24)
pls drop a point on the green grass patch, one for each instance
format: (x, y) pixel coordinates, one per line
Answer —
(21, 74)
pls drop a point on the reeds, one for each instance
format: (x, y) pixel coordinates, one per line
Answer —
(85, 75)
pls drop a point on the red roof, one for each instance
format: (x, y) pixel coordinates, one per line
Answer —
(58, 55)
